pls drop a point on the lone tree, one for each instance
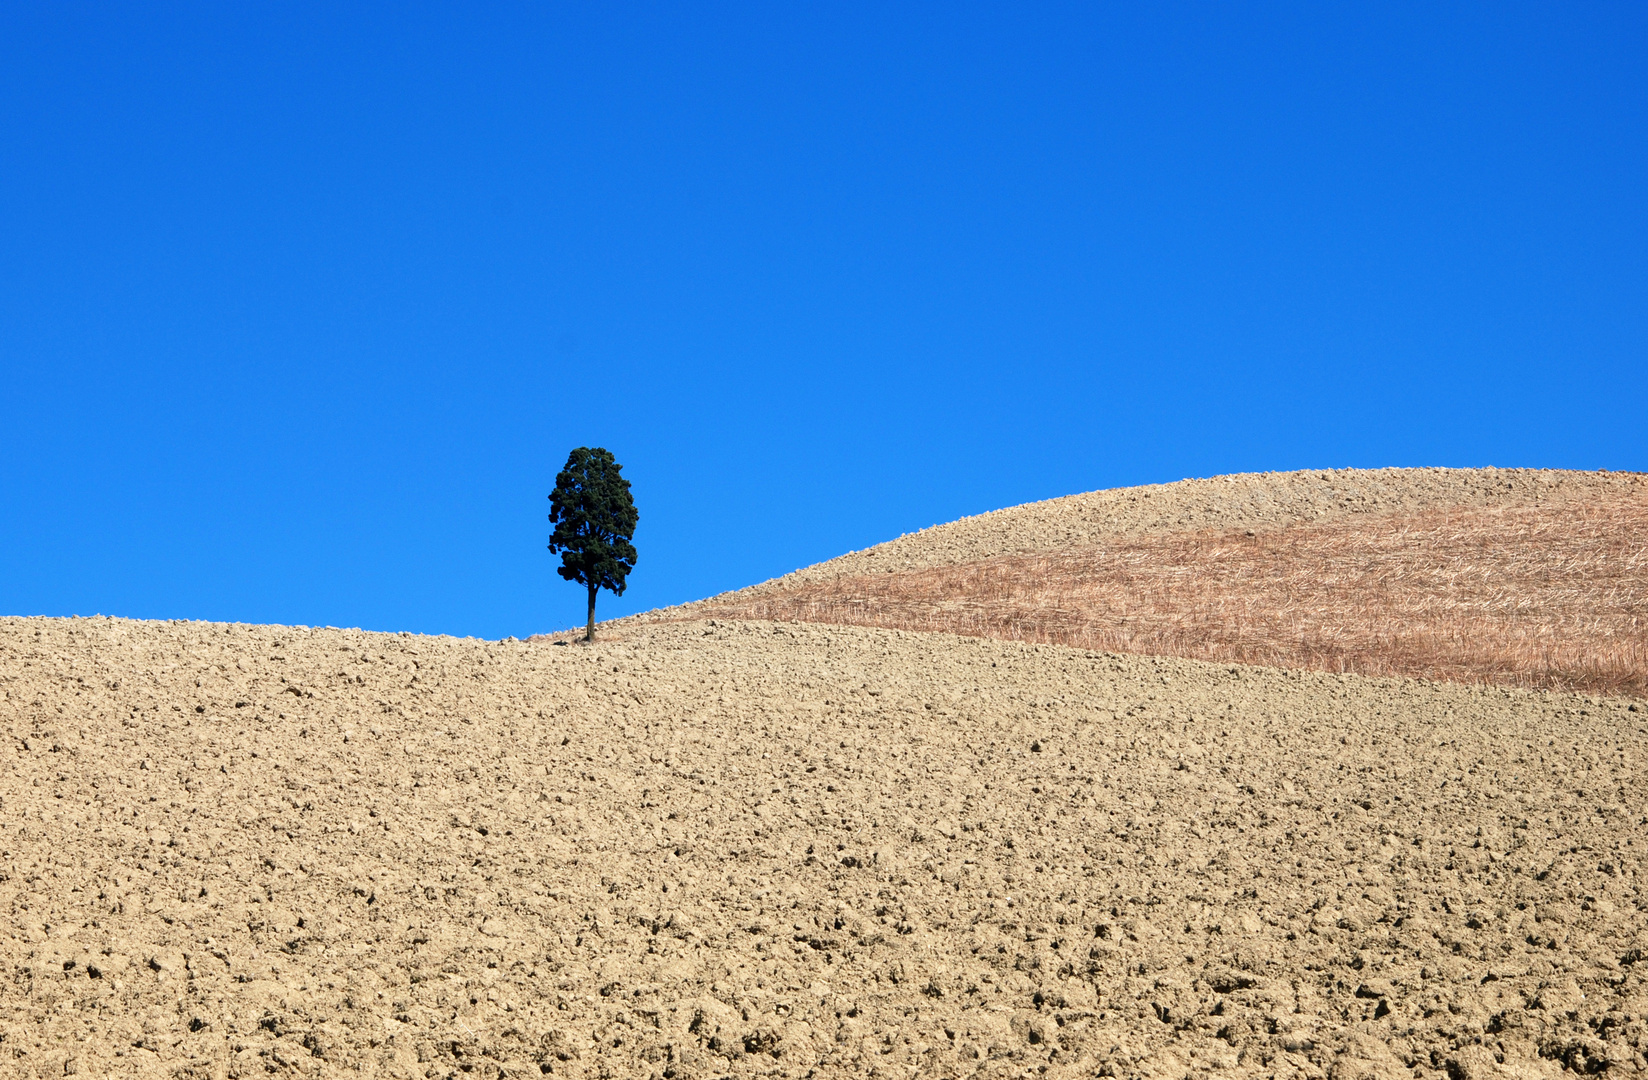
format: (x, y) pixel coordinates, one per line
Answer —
(594, 520)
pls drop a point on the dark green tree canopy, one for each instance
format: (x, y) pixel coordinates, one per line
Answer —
(594, 520)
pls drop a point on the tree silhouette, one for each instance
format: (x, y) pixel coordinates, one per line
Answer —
(594, 520)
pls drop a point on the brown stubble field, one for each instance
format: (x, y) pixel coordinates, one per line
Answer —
(1548, 597)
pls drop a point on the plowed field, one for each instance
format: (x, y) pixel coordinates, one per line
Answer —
(706, 847)
(765, 849)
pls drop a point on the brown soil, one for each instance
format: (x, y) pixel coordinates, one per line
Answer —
(1544, 595)
(789, 850)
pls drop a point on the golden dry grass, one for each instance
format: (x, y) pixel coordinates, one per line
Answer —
(1534, 596)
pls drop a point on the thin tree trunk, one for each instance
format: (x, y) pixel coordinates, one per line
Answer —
(589, 633)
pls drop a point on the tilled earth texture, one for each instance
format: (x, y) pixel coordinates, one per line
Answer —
(758, 849)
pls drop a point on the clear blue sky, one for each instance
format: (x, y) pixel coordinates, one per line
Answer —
(302, 307)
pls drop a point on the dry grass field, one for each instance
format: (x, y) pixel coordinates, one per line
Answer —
(1553, 597)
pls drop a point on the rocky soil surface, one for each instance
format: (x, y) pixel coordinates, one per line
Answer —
(758, 849)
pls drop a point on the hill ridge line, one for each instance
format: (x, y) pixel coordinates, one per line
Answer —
(1261, 500)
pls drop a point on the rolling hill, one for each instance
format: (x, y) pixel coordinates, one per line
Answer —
(711, 846)
(1514, 577)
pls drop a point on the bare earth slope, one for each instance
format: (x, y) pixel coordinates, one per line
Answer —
(1240, 501)
(756, 849)
(1526, 578)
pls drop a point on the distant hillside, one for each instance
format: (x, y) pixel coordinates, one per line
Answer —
(1518, 576)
